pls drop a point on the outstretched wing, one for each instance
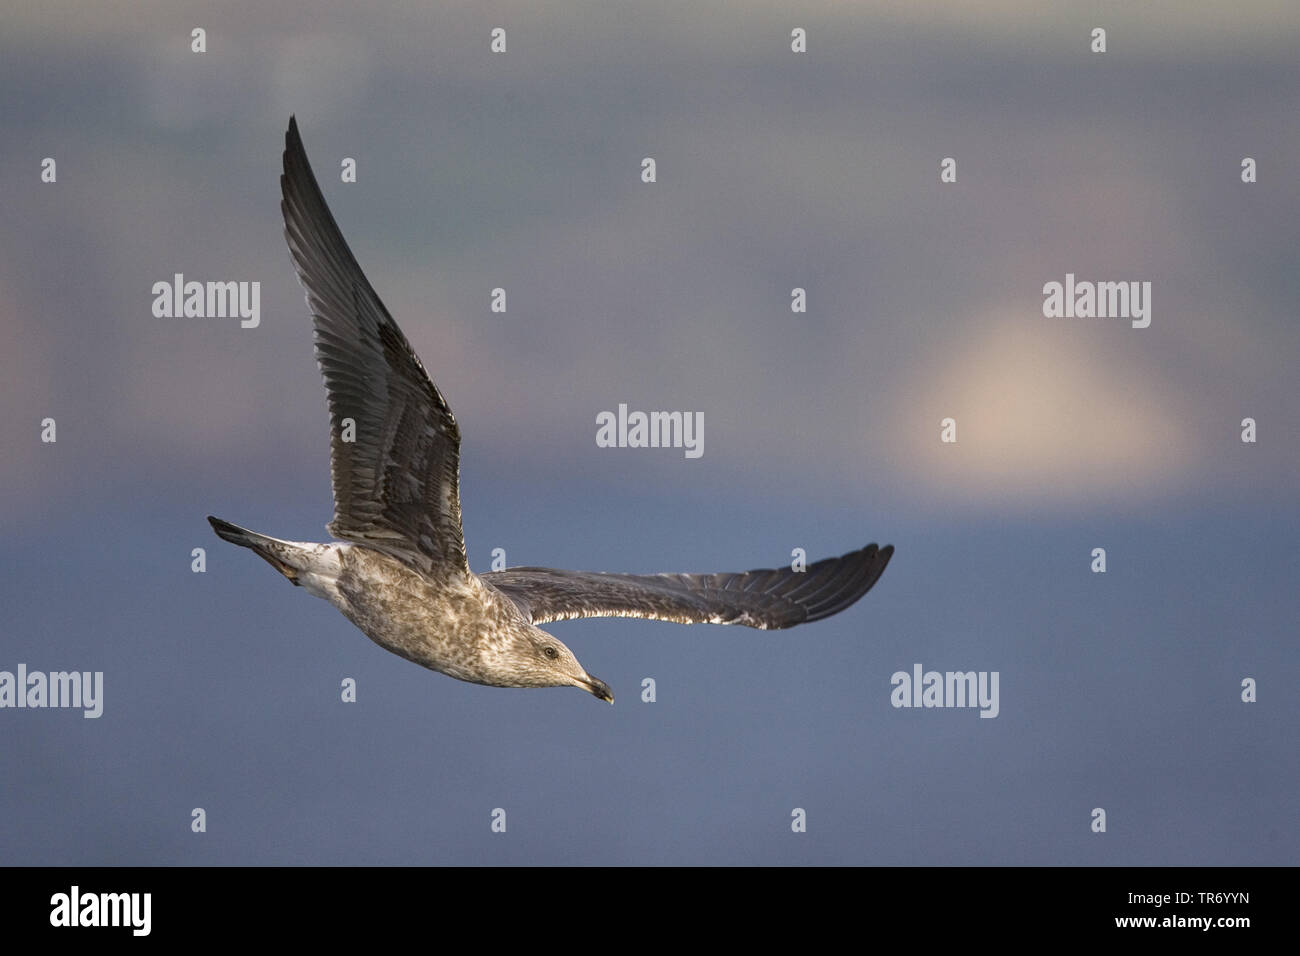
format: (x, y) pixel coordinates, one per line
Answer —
(396, 481)
(767, 599)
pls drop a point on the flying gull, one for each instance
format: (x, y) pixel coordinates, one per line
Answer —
(399, 572)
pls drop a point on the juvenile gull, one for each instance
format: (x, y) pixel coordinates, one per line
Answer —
(400, 574)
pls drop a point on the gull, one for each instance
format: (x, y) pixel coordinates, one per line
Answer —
(399, 571)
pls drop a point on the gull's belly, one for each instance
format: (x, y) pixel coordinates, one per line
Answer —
(450, 626)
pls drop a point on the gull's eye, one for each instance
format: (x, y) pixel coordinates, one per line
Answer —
(550, 651)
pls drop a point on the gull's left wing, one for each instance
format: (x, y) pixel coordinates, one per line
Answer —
(396, 480)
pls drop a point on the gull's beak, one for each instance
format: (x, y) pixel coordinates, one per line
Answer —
(598, 687)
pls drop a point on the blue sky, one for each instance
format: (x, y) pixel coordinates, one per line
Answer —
(775, 170)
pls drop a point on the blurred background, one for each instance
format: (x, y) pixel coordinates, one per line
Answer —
(775, 170)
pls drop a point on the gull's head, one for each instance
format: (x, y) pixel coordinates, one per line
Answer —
(542, 660)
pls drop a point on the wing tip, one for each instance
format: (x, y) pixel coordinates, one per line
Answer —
(292, 137)
(865, 567)
(875, 560)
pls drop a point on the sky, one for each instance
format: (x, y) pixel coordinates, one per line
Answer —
(1120, 691)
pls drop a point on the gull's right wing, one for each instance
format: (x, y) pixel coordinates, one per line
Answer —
(767, 599)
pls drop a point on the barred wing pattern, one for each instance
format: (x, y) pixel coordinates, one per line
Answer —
(770, 598)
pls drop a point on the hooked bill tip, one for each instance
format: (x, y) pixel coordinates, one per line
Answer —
(599, 688)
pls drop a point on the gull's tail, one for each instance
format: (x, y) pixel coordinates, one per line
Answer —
(284, 556)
